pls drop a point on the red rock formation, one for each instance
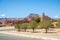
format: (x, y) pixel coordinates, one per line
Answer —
(44, 17)
(24, 20)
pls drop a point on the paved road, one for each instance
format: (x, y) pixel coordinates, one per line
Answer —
(11, 37)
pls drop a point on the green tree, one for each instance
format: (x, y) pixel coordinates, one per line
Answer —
(37, 20)
(24, 26)
(1, 25)
(33, 25)
(18, 27)
(45, 24)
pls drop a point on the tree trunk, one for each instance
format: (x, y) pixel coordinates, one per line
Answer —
(25, 30)
(33, 29)
(46, 30)
(18, 30)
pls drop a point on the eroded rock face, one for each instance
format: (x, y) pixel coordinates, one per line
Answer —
(44, 17)
(13, 21)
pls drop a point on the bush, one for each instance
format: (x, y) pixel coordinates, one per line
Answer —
(1, 25)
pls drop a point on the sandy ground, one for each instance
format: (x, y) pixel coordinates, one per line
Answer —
(41, 32)
(6, 27)
(52, 33)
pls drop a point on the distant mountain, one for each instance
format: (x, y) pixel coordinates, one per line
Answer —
(31, 17)
(1, 19)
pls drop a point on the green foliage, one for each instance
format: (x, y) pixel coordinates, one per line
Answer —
(18, 26)
(52, 26)
(33, 25)
(45, 24)
(1, 25)
(24, 26)
(37, 20)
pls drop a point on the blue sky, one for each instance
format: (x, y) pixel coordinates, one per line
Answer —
(22, 8)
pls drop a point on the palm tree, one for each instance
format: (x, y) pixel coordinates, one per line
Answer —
(33, 25)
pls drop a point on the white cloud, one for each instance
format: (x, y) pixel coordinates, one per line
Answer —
(56, 16)
(3, 15)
